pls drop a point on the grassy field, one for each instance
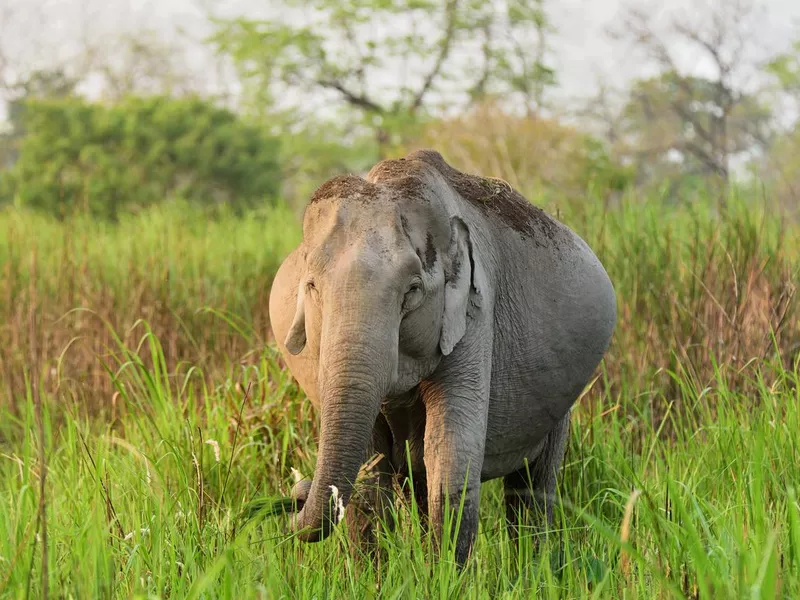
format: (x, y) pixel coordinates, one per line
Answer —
(134, 429)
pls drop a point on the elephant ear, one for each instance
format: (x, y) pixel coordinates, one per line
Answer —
(296, 338)
(459, 282)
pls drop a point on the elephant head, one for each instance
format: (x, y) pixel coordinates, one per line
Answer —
(387, 276)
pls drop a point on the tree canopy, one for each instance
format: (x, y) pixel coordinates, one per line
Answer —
(341, 51)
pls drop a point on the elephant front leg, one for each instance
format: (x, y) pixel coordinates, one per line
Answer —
(455, 433)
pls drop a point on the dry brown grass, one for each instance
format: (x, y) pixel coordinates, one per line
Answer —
(69, 289)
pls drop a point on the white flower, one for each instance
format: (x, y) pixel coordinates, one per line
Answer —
(338, 503)
(215, 445)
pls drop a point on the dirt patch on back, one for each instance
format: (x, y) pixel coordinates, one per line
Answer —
(495, 197)
(406, 177)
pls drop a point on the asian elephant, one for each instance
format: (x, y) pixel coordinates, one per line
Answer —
(441, 313)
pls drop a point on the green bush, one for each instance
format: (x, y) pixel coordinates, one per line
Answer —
(102, 159)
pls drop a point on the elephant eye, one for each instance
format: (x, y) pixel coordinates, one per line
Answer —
(414, 292)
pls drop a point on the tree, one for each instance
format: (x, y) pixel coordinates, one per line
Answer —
(705, 113)
(104, 159)
(148, 59)
(390, 61)
(675, 126)
(136, 55)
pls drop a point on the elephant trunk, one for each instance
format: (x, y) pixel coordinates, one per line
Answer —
(358, 358)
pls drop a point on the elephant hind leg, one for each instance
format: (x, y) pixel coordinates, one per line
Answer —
(530, 491)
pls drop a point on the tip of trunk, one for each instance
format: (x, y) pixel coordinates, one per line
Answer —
(315, 523)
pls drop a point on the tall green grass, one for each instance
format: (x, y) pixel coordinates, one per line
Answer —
(147, 505)
(137, 358)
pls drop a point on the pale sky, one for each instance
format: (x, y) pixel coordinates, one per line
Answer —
(583, 52)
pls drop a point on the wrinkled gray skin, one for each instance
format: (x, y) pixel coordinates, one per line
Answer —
(441, 310)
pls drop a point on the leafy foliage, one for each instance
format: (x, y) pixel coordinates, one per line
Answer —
(138, 152)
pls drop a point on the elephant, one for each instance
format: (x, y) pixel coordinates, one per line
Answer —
(443, 324)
